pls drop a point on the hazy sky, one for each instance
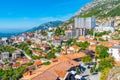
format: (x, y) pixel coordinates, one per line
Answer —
(18, 15)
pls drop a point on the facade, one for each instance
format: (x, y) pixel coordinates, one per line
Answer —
(75, 33)
(109, 23)
(16, 54)
(88, 23)
(50, 34)
(5, 55)
(108, 26)
(101, 29)
(115, 52)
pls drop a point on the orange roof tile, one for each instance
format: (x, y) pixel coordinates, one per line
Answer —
(117, 63)
(28, 73)
(92, 47)
(82, 38)
(16, 65)
(107, 44)
(75, 47)
(44, 54)
(54, 60)
(76, 55)
(56, 37)
(37, 63)
(61, 73)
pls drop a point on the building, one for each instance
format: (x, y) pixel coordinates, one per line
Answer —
(107, 26)
(4, 39)
(109, 23)
(68, 34)
(88, 23)
(102, 29)
(75, 33)
(50, 34)
(16, 54)
(5, 55)
(115, 52)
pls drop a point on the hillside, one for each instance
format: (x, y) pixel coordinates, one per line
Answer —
(46, 26)
(100, 9)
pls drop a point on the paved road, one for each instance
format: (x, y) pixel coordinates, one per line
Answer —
(22, 51)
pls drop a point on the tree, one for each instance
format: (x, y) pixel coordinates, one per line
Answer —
(104, 74)
(91, 32)
(12, 74)
(70, 41)
(63, 32)
(58, 31)
(106, 63)
(59, 48)
(44, 33)
(83, 45)
(77, 70)
(87, 59)
(102, 51)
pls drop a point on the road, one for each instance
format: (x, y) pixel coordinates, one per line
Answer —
(21, 51)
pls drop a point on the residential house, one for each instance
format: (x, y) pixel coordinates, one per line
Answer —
(54, 60)
(44, 54)
(28, 73)
(16, 65)
(43, 60)
(36, 52)
(74, 48)
(5, 55)
(16, 54)
(56, 40)
(23, 61)
(37, 63)
(115, 52)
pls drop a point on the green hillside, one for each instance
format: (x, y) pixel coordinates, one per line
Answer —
(103, 9)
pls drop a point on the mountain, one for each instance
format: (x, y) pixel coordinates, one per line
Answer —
(100, 9)
(46, 26)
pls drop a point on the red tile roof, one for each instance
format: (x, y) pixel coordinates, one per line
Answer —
(37, 63)
(61, 73)
(15, 65)
(56, 37)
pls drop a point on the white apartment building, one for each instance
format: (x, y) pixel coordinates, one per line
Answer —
(88, 23)
(4, 55)
(115, 52)
(101, 29)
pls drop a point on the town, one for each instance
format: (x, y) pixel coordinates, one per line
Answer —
(83, 50)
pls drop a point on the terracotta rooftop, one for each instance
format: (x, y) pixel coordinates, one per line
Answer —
(75, 47)
(107, 44)
(15, 65)
(61, 73)
(37, 63)
(28, 73)
(44, 54)
(82, 38)
(49, 72)
(92, 47)
(56, 37)
(54, 59)
(117, 63)
(75, 55)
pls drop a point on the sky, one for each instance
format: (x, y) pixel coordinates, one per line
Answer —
(21, 15)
